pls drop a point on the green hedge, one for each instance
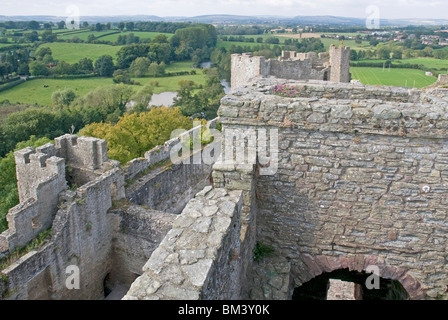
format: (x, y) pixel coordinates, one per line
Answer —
(10, 85)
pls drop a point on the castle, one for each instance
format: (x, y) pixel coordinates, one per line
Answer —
(326, 66)
(358, 180)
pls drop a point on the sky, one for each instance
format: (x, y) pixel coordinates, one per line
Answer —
(388, 9)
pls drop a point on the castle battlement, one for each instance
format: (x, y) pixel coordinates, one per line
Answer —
(87, 152)
(326, 66)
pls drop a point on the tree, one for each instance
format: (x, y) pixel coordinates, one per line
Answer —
(91, 38)
(156, 69)
(85, 24)
(353, 55)
(86, 65)
(121, 26)
(397, 54)
(23, 69)
(139, 67)
(141, 99)
(61, 24)
(127, 54)
(104, 66)
(130, 26)
(49, 36)
(136, 133)
(383, 53)
(63, 98)
(98, 27)
(33, 25)
(42, 52)
(122, 76)
(160, 38)
(64, 68)
(38, 68)
(31, 36)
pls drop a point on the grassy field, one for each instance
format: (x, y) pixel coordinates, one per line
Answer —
(73, 52)
(394, 77)
(33, 91)
(142, 35)
(430, 63)
(228, 44)
(326, 41)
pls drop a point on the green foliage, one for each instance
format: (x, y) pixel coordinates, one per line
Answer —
(104, 66)
(134, 134)
(63, 98)
(39, 69)
(261, 250)
(139, 67)
(203, 104)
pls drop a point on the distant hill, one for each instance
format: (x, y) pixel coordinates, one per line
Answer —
(237, 19)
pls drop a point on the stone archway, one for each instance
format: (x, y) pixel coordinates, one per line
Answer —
(316, 265)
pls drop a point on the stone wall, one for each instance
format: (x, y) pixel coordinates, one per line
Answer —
(168, 187)
(443, 78)
(340, 64)
(333, 66)
(140, 231)
(199, 257)
(94, 227)
(362, 172)
(81, 235)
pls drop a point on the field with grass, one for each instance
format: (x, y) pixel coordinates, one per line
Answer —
(140, 34)
(73, 52)
(33, 91)
(228, 44)
(394, 77)
(430, 63)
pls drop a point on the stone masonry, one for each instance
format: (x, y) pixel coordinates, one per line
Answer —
(332, 66)
(362, 179)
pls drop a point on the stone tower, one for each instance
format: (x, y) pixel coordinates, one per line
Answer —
(340, 63)
(245, 67)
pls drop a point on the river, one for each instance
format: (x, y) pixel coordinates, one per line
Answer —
(167, 98)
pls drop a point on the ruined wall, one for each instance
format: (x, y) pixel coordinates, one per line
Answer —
(108, 246)
(443, 78)
(340, 64)
(297, 70)
(199, 257)
(362, 177)
(168, 187)
(333, 65)
(81, 235)
(139, 233)
(246, 67)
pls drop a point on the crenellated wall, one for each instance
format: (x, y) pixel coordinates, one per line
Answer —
(93, 225)
(332, 66)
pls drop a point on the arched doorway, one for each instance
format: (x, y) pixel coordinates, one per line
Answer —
(318, 287)
(395, 279)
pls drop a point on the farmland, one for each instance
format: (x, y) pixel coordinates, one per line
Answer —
(33, 91)
(73, 52)
(392, 77)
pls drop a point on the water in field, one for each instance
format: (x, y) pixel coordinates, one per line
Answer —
(224, 82)
(163, 99)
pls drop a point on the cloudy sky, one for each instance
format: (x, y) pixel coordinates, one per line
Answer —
(347, 8)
